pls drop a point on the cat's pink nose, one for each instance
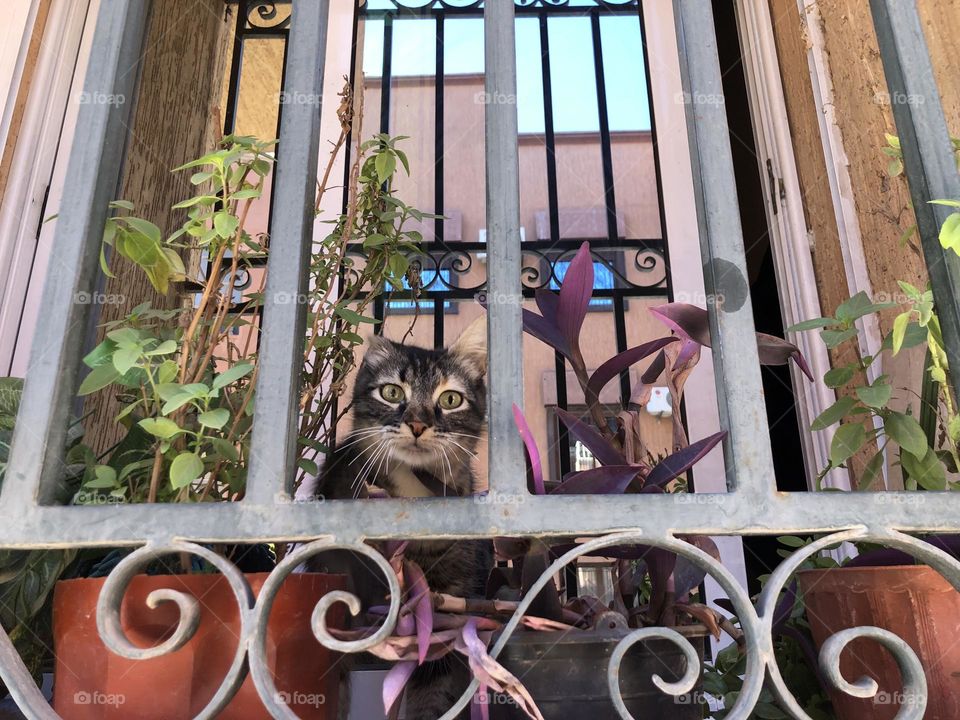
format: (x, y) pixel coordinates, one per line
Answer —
(417, 428)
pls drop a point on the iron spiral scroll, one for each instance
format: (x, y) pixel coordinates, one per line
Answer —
(251, 652)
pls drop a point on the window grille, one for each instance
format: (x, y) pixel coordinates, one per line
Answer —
(752, 507)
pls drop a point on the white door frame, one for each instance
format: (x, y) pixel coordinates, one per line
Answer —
(789, 237)
(37, 173)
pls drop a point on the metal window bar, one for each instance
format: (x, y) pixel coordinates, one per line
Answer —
(752, 508)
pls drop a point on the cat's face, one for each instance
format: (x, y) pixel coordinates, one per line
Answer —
(429, 405)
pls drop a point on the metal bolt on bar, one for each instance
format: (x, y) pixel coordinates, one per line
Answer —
(273, 458)
(743, 415)
(36, 463)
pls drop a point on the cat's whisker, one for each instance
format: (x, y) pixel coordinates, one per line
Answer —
(355, 438)
(376, 450)
(382, 448)
(468, 452)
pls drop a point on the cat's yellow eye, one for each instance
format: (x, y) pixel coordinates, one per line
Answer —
(450, 400)
(391, 393)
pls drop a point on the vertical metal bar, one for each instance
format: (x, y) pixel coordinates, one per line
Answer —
(656, 154)
(549, 136)
(236, 66)
(606, 151)
(747, 453)
(927, 150)
(35, 466)
(386, 79)
(506, 463)
(620, 331)
(275, 417)
(438, 120)
(439, 306)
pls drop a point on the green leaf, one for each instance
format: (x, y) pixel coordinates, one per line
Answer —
(858, 306)
(398, 265)
(948, 203)
(225, 224)
(144, 227)
(200, 178)
(125, 358)
(246, 194)
(870, 472)
(926, 470)
(161, 427)
(177, 402)
(848, 439)
(215, 419)
(838, 377)
(225, 449)
(164, 348)
(167, 371)
(833, 414)
(185, 468)
(832, 338)
(122, 205)
(900, 331)
(876, 395)
(104, 477)
(99, 378)
(953, 428)
(385, 164)
(308, 466)
(791, 541)
(375, 240)
(231, 375)
(353, 317)
(950, 233)
(906, 432)
(814, 324)
(196, 200)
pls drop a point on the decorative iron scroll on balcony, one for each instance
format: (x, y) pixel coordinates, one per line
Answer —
(752, 507)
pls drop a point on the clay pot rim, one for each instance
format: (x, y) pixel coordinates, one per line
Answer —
(79, 583)
(866, 568)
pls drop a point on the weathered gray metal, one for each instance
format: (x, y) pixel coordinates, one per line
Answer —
(69, 292)
(928, 156)
(291, 237)
(753, 506)
(504, 299)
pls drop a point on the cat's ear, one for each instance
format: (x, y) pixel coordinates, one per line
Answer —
(378, 348)
(471, 346)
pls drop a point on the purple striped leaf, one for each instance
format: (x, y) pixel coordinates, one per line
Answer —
(601, 448)
(606, 480)
(617, 364)
(682, 460)
(533, 452)
(575, 293)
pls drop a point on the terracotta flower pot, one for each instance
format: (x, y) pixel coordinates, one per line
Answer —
(92, 683)
(915, 603)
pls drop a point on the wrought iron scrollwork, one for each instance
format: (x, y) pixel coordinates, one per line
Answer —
(251, 654)
(268, 16)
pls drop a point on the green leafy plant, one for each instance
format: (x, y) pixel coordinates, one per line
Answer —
(185, 382)
(864, 407)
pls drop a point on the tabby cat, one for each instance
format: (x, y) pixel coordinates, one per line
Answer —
(417, 417)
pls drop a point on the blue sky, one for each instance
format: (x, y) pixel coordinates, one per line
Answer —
(571, 66)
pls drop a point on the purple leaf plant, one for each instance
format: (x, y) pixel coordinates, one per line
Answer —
(653, 585)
